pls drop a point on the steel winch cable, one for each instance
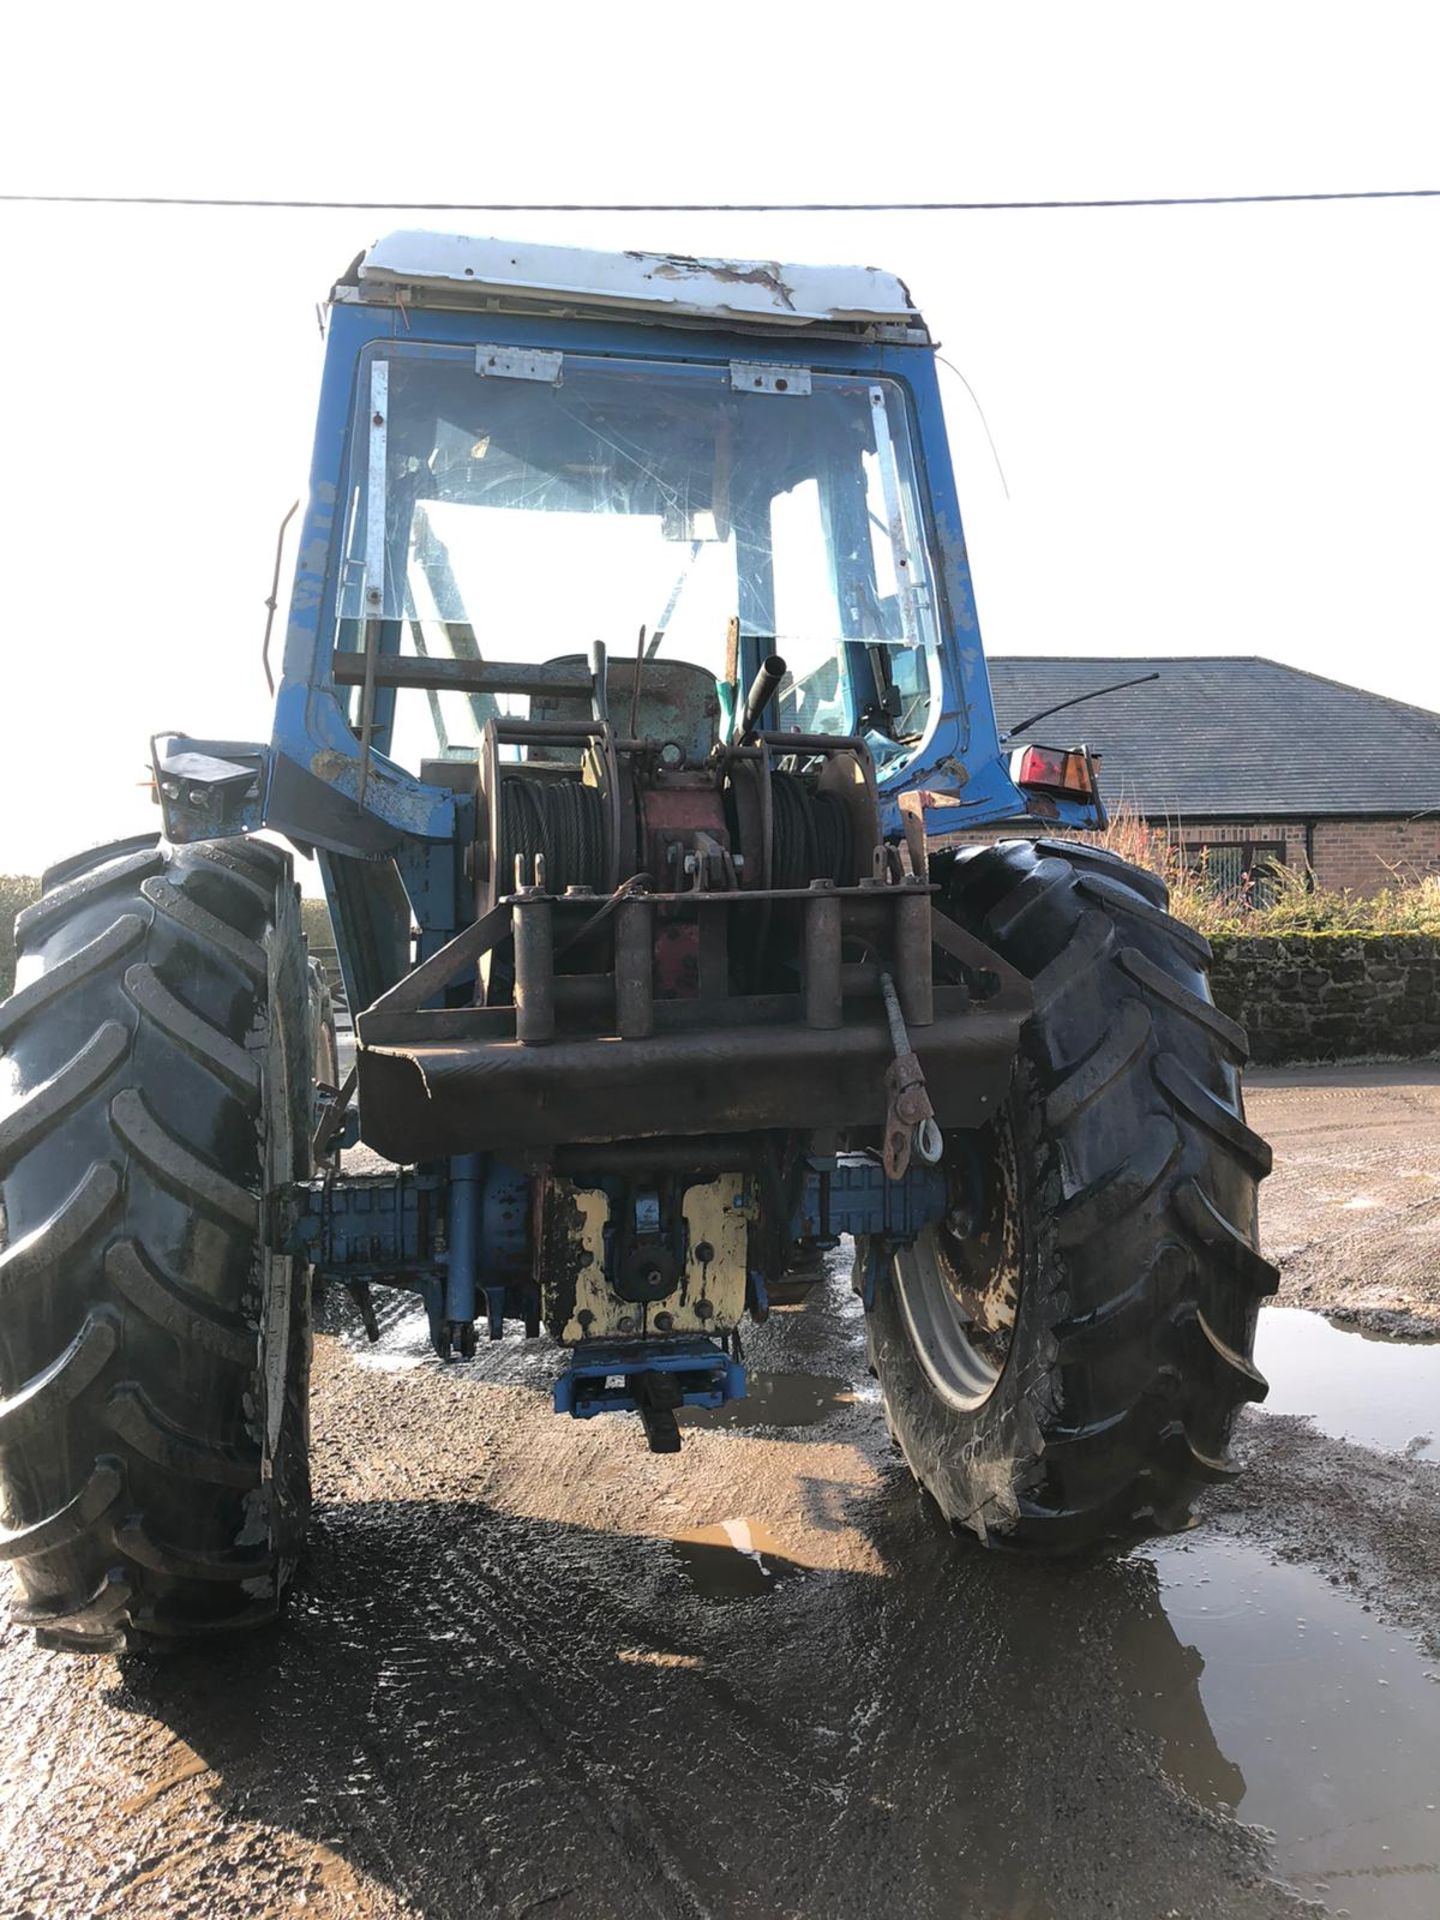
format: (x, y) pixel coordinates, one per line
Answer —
(562, 820)
(814, 838)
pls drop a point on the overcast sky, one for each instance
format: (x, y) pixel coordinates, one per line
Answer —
(1218, 425)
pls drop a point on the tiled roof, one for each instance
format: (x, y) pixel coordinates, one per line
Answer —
(1228, 736)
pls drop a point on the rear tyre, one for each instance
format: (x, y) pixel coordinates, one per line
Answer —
(155, 1087)
(1062, 1358)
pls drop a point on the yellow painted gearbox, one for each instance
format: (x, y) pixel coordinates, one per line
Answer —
(579, 1300)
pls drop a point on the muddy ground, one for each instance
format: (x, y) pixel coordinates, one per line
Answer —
(533, 1670)
(1352, 1210)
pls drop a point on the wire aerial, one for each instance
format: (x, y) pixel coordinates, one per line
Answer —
(678, 206)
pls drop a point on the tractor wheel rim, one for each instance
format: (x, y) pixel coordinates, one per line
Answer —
(940, 1334)
(959, 1286)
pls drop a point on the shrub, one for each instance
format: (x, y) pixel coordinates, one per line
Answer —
(1295, 904)
(315, 918)
(17, 890)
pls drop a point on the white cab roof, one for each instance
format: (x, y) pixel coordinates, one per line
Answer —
(754, 292)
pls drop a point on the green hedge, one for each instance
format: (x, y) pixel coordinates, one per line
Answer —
(17, 890)
(315, 918)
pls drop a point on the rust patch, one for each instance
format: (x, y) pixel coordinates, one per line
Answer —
(329, 764)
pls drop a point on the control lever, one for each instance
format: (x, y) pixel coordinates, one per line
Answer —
(763, 689)
(909, 1117)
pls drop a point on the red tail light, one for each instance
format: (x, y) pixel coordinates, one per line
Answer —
(1054, 770)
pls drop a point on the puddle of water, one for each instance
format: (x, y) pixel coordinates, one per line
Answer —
(1326, 1726)
(777, 1400)
(1381, 1393)
(734, 1560)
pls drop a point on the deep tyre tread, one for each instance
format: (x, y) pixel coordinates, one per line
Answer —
(103, 855)
(68, 1527)
(1193, 1002)
(53, 1100)
(1136, 1177)
(1087, 858)
(193, 1456)
(177, 1310)
(94, 958)
(98, 1620)
(157, 1058)
(33, 922)
(29, 1416)
(1111, 892)
(26, 1263)
(206, 928)
(252, 877)
(226, 1059)
(189, 1176)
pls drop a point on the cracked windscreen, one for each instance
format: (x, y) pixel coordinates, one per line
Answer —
(526, 518)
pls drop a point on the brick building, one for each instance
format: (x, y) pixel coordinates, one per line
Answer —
(1258, 762)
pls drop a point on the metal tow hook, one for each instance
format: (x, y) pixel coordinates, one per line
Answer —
(909, 1117)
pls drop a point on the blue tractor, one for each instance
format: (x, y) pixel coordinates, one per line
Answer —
(634, 708)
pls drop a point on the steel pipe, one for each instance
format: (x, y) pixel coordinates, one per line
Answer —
(821, 962)
(635, 968)
(763, 689)
(534, 934)
(427, 1099)
(914, 965)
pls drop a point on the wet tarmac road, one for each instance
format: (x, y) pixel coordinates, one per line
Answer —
(535, 1670)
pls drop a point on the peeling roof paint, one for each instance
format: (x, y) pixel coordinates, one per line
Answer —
(764, 291)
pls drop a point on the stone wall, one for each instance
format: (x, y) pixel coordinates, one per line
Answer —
(1331, 996)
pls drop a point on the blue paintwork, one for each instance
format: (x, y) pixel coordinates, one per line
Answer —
(505, 1221)
(849, 1193)
(462, 1266)
(712, 1377)
(368, 1227)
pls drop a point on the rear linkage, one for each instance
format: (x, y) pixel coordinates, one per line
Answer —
(390, 1228)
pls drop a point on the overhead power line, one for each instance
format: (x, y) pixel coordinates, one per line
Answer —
(700, 206)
